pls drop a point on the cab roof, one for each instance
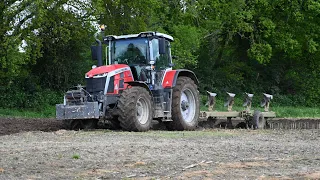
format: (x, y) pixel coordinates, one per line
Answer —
(142, 34)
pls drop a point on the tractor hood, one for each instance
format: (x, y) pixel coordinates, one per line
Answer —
(103, 70)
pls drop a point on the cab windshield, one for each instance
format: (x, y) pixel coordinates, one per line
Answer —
(130, 51)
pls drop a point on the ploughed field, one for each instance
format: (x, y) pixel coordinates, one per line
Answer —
(41, 149)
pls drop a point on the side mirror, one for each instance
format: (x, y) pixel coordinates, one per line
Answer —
(96, 54)
(162, 46)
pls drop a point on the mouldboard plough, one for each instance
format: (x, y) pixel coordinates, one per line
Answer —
(248, 118)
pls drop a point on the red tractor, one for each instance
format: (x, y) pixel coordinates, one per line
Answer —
(137, 87)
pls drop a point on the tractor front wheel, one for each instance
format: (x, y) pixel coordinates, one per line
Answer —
(135, 109)
(185, 105)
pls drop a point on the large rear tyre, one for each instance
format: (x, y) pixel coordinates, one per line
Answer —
(185, 105)
(76, 124)
(135, 109)
(258, 121)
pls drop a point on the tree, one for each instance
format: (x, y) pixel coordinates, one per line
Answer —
(49, 34)
(66, 40)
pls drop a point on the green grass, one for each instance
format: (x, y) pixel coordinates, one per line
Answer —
(297, 112)
(75, 156)
(48, 112)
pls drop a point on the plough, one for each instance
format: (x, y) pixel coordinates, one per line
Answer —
(249, 118)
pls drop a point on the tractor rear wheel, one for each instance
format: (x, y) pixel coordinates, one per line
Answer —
(135, 109)
(185, 105)
(114, 124)
(76, 124)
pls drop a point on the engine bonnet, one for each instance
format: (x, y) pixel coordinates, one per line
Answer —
(105, 69)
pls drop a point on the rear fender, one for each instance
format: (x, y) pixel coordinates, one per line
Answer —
(171, 76)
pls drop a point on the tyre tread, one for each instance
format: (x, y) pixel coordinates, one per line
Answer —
(176, 124)
(126, 108)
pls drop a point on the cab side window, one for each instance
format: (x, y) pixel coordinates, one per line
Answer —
(155, 50)
(161, 60)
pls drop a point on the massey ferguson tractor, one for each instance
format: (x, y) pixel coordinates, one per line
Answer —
(136, 87)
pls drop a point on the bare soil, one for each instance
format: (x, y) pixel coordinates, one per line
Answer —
(16, 125)
(41, 149)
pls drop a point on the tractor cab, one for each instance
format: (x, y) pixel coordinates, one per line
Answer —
(141, 52)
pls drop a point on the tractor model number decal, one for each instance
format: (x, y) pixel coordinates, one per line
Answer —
(121, 70)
